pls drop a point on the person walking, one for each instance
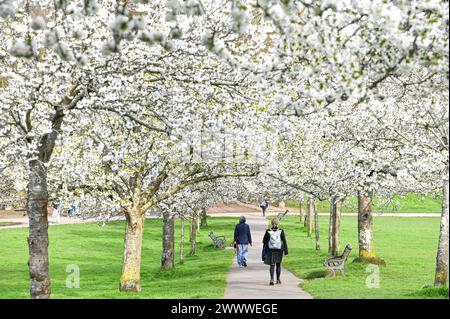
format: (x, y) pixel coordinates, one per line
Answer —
(72, 210)
(264, 206)
(274, 244)
(56, 216)
(242, 238)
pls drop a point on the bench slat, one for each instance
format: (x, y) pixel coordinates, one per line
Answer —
(334, 263)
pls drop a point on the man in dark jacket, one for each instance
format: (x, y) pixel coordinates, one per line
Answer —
(242, 238)
(264, 206)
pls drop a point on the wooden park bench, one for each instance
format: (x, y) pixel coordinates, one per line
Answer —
(338, 262)
(218, 241)
(280, 216)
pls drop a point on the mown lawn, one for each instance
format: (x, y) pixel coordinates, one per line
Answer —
(410, 203)
(98, 253)
(408, 246)
(2, 224)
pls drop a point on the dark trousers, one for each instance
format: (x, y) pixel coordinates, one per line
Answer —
(272, 269)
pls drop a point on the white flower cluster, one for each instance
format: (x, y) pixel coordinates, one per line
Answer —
(61, 4)
(90, 7)
(193, 8)
(173, 9)
(23, 48)
(240, 17)
(38, 23)
(324, 104)
(7, 8)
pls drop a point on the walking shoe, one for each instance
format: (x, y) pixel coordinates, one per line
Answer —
(271, 283)
(244, 264)
(278, 281)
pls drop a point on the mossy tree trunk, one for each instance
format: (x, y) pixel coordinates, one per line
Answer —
(192, 235)
(365, 227)
(334, 228)
(168, 242)
(130, 280)
(440, 279)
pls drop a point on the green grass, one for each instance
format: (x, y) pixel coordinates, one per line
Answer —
(410, 203)
(8, 223)
(98, 253)
(408, 246)
(431, 292)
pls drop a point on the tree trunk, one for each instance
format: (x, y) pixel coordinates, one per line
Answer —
(192, 235)
(310, 216)
(301, 211)
(197, 214)
(130, 280)
(440, 279)
(182, 240)
(330, 228)
(305, 221)
(365, 226)
(316, 227)
(335, 221)
(204, 218)
(167, 259)
(37, 202)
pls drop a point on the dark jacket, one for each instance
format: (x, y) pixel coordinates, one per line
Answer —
(242, 235)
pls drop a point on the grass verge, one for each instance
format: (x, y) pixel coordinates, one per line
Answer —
(97, 251)
(407, 245)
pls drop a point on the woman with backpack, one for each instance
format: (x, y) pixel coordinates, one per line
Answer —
(274, 242)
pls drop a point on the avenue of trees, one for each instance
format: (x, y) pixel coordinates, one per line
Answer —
(130, 107)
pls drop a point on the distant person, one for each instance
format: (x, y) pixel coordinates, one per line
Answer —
(264, 205)
(274, 244)
(242, 238)
(72, 210)
(56, 216)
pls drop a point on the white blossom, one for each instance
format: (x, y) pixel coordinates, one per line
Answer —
(7, 8)
(38, 23)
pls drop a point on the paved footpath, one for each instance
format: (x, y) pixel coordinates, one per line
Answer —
(253, 282)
